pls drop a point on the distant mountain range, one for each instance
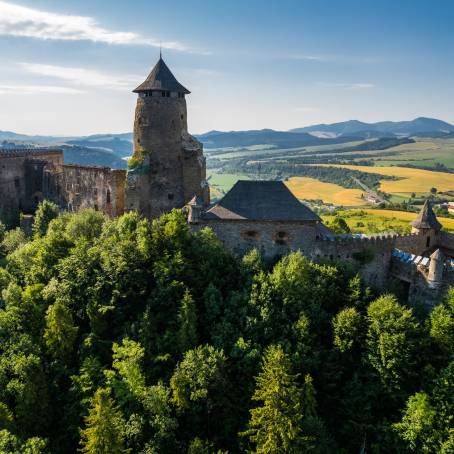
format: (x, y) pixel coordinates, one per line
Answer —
(403, 128)
(346, 131)
(112, 149)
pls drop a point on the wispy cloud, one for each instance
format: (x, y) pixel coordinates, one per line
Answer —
(82, 76)
(309, 57)
(347, 86)
(21, 21)
(336, 58)
(34, 89)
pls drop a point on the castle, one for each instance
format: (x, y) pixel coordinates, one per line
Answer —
(168, 171)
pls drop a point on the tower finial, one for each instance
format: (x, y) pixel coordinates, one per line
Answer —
(160, 50)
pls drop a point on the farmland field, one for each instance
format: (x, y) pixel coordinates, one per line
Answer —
(412, 180)
(312, 189)
(375, 221)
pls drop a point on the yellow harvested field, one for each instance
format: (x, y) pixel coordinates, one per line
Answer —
(312, 189)
(413, 180)
(448, 223)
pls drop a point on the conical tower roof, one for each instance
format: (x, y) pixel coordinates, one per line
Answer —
(161, 79)
(438, 255)
(426, 218)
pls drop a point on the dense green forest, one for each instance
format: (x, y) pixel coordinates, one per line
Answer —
(124, 336)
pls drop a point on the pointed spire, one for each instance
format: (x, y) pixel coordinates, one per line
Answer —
(426, 218)
(161, 79)
(438, 255)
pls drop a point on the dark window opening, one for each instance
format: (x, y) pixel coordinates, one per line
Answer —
(170, 196)
(96, 207)
(252, 234)
(182, 116)
(108, 196)
(428, 241)
(281, 238)
(16, 182)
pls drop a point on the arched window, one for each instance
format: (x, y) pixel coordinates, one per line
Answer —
(108, 196)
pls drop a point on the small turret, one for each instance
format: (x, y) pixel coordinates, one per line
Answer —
(437, 261)
(426, 223)
(195, 207)
(426, 219)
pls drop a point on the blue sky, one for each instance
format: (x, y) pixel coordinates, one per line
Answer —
(68, 66)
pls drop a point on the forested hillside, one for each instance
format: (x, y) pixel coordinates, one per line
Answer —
(128, 336)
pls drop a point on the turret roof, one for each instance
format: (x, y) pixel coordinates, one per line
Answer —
(161, 78)
(426, 218)
(438, 255)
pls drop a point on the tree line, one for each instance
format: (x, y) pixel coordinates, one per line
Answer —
(127, 335)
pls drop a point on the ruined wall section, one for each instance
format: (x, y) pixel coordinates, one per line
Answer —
(100, 188)
(194, 169)
(27, 177)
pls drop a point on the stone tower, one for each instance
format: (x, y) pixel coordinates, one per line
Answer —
(426, 224)
(168, 167)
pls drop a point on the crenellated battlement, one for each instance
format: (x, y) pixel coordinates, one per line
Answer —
(372, 239)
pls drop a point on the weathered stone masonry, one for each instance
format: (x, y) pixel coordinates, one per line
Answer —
(169, 166)
(30, 176)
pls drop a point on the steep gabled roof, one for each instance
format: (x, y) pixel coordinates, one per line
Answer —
(426, 218)
(260, 201)
(161, 78)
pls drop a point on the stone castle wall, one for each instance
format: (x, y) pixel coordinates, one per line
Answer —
(100, 188)
(27, 177)
(370, 255)
(271, 238)
(446, 240)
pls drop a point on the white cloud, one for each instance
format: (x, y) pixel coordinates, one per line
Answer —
(82, 76)
(36, 89)
(347, 86)
(21, 21)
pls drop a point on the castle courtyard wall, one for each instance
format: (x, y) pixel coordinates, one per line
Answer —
(100, 188)
(271, 238)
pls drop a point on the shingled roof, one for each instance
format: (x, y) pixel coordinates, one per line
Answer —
(161, 79)
(426, 218)
(260, 201)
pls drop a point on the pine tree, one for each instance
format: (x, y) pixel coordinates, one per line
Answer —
(275, 426)
(187, 317)
(103, 433)
(60, 333)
